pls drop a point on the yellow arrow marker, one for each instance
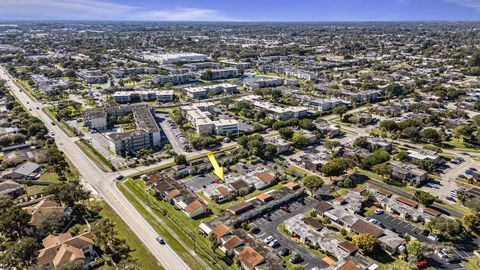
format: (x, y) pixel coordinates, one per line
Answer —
(217, 170)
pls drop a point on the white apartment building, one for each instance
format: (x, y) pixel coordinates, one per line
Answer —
(146, 135)
(201, 92)
(174, 78)
(282, 113)
(169, 58)
(200, 117)
(131, 96)
(223, 73)
(301, 74)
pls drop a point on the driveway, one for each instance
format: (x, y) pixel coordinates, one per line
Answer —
(268, 225)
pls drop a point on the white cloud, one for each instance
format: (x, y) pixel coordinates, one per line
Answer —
(99, 10)
(466, 3)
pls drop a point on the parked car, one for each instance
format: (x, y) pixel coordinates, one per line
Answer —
(378, 211)
(473, 169)
(285, 208)
(284, 252)
(421, 264)
(273, 243)
(462, 176)
(296, 258)
(450, 198)
(268, 239)
(119, 177)
(255, 230)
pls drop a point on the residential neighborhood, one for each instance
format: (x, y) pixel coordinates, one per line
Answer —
(239, 145)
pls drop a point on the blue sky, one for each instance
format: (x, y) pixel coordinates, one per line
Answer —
(241, 10)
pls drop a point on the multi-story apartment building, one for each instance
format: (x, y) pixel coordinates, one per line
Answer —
(174, 78)
(146, 135)
(201, 92)
(132, 96)
(199, 115)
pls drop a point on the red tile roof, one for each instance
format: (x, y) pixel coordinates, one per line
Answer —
(265, 177)
(193, 206)
(250, 257)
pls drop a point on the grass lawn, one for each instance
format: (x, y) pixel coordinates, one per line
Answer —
(99, 160)
(68, 130)
(35, 189)
(473, 263)
(183, 226)
(49, 177)
(172, 242)
(462, 146)
(27, 88)
(139, 252)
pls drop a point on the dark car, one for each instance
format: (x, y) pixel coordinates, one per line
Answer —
(119, 177)
(296, 258)
(284, 252)
(255, 230)
(160, 240)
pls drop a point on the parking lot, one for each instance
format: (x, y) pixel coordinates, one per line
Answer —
(268, 226)
(171, 131)
(403, 227)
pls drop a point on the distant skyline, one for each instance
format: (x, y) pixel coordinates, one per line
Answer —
(242, 10)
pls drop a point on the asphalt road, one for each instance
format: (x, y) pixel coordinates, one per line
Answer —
(103, 182)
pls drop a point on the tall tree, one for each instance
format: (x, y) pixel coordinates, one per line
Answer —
(20, 254)
(68, 193)
(365, 242)
(312, 183)
(14, 222)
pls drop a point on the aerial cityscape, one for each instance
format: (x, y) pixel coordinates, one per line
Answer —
(225, 135)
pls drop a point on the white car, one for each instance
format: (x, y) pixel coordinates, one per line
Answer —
(268, 239)
(273, 243)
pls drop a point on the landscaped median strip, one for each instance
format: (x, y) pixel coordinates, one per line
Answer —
(153, 220)
(201, 253)
(69, 131)
(183, 226)
(97, 158)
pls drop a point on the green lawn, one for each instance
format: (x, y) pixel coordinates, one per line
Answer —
(49, 177)
(462, 146)
(473, 263)
(139, 252)
(68, 130)
(172, 242)
(183, 226)
(99, 160)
